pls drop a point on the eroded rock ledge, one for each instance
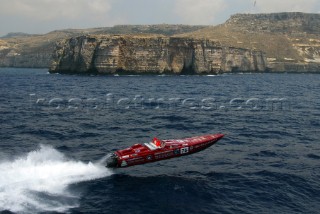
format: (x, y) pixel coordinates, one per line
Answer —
(110, 54)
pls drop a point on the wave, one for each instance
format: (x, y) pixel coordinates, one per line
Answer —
(39, 181)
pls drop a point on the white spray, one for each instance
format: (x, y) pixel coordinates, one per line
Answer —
(44, 171)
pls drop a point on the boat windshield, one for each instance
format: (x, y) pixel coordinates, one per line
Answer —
(155, 144)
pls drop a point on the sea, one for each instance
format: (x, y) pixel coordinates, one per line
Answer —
(57, 130)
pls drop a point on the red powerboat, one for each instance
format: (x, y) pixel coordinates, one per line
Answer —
(158, 150)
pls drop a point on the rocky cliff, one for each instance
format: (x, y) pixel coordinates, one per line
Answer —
(28, 51)
(301, 30)
(276, 42)
(286, 23)
(291, 41)
(34, 51)
(152, 54)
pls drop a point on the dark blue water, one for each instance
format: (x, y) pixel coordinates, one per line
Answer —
(56, 130)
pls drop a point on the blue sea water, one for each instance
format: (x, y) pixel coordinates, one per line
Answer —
(55, 131)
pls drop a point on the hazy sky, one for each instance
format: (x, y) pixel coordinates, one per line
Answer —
(42, 16)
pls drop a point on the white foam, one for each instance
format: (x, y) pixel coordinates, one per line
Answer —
(45, 172)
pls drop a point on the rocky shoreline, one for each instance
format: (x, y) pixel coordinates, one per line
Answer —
(278, 42)
(152, 55)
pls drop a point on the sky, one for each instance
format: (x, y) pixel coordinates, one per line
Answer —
(42, 16)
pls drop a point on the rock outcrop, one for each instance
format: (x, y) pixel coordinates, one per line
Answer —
(14, 58)
(291, 41)
(300, 29)
(34, 51)
(152, 54)
(295, 23)
(276, 42)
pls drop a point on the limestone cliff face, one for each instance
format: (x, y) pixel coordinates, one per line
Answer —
(152, 54)
(295, 23)
(279, 42)
(293, 41)
(11, 57)
(34, 51)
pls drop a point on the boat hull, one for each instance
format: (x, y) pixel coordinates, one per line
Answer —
(148, 153)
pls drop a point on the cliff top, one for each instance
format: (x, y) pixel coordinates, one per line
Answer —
(274, 45)
(275, 16)
(17, 34)
(277, 34)
(164, 29)
(288, 23)
(27, 43)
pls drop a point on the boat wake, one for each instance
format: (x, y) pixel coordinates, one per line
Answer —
(39, 181)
